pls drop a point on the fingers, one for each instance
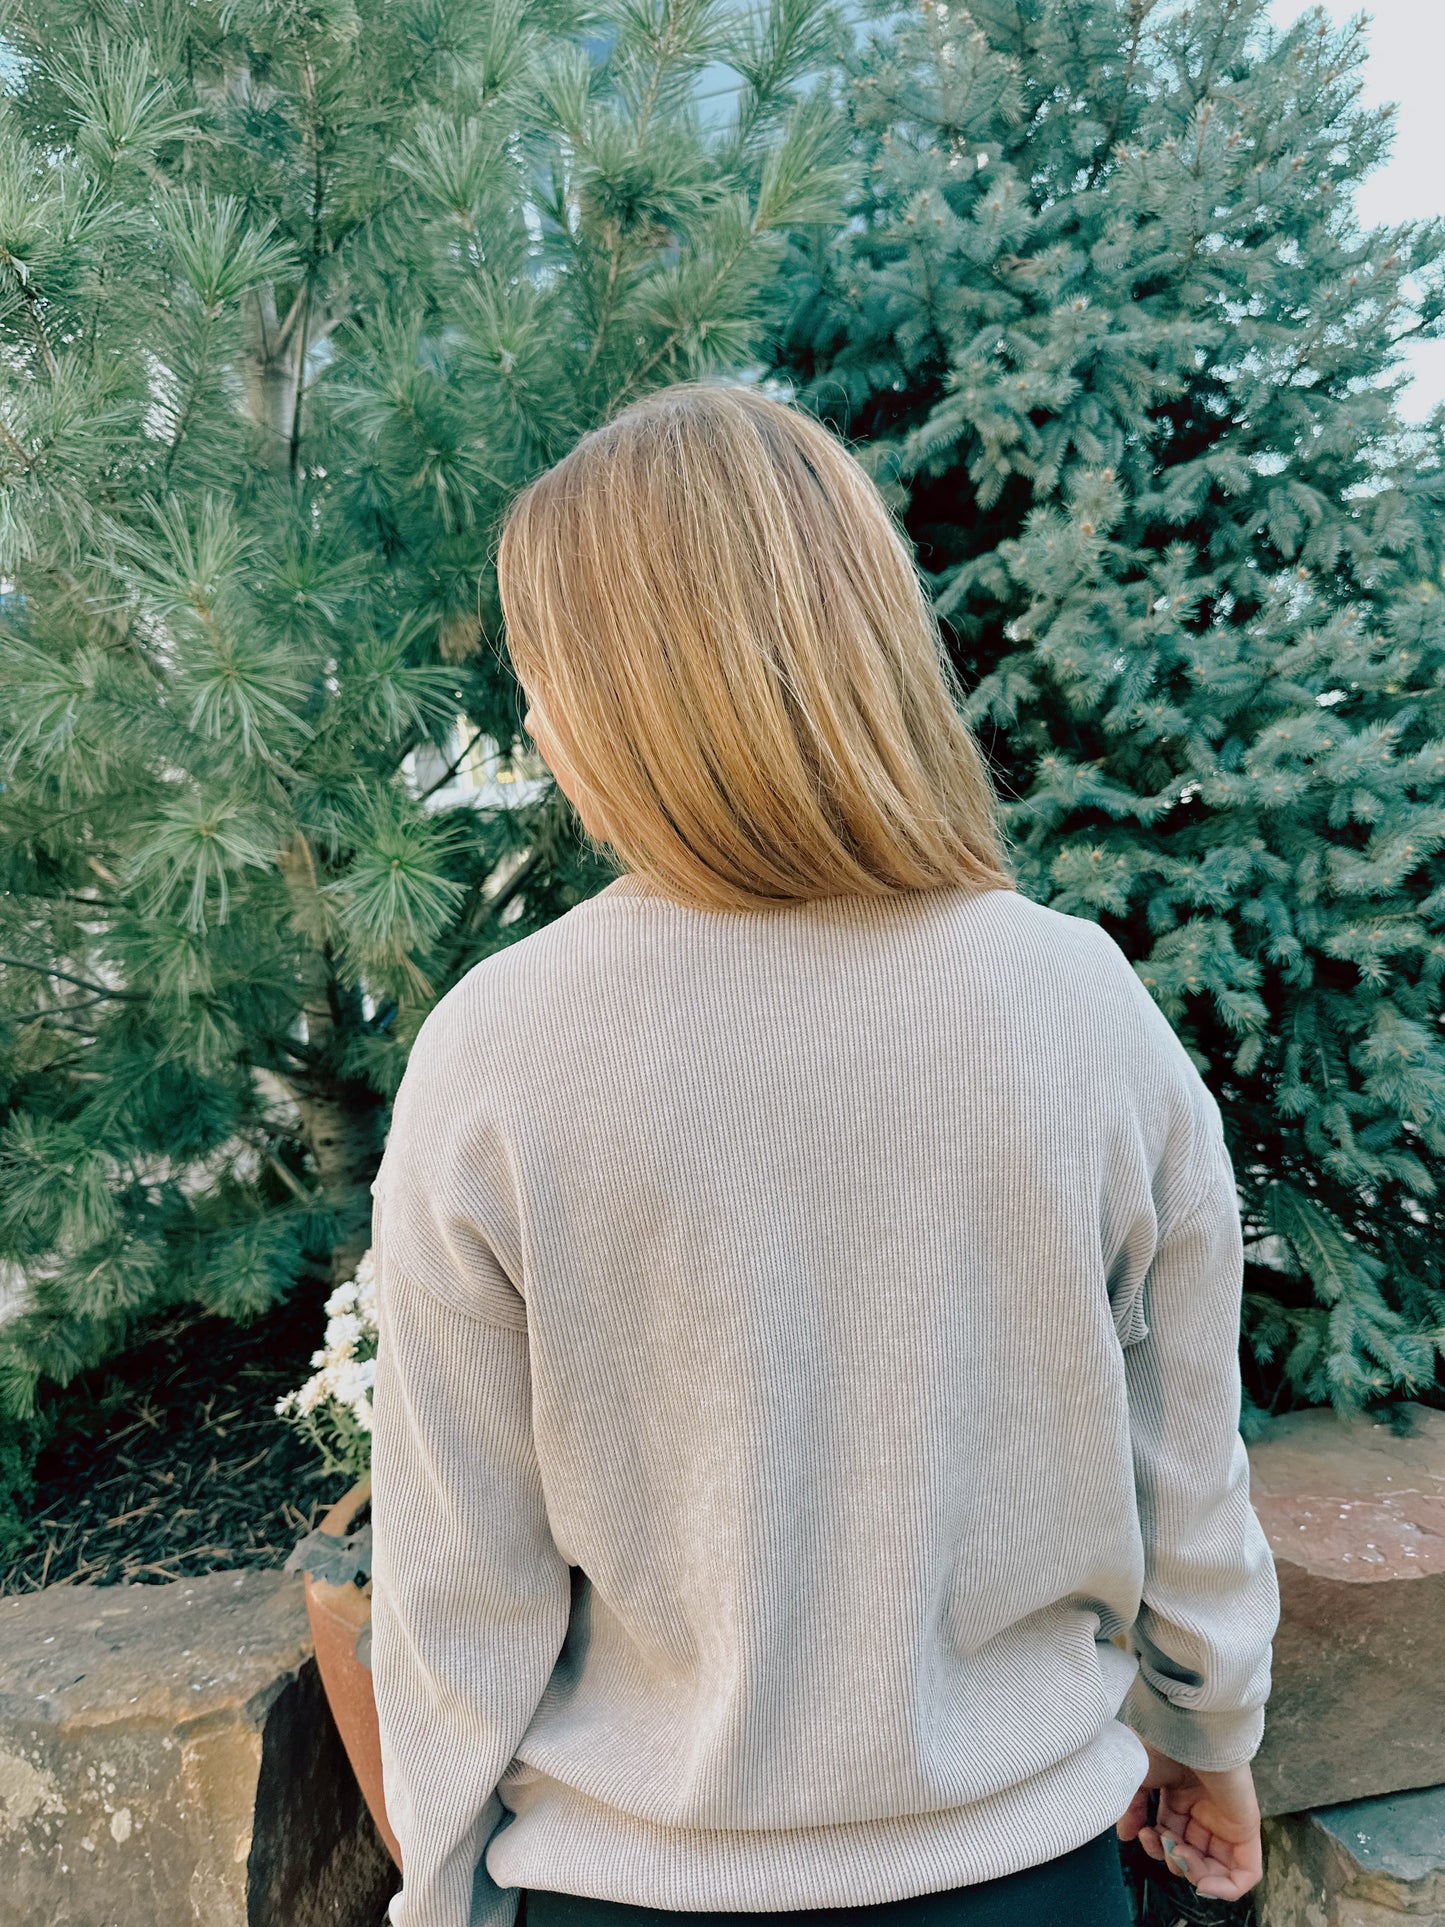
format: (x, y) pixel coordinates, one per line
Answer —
(1243, 1869)
(1226, 1847)
(1174, 1815)
(1225, 1886)
(1223, 1872)
(1135, 1817)
(1217, 1850)
(1195, 1834)
(1181, 1859)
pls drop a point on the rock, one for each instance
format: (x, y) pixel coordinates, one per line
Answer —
(1355, 1513)
(167, 1759)
(1369, 1863)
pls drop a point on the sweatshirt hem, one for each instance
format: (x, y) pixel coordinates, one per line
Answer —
(562, 1841)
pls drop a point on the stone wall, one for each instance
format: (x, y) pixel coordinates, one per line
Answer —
(167, 1759)
(1355, 1513)
(1369, 1863)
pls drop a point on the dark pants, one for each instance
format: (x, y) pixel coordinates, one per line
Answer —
(1083, 1889)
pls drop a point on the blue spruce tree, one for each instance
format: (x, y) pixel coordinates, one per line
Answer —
(1130, 366)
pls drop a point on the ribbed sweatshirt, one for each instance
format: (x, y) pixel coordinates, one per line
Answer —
(808, 1336)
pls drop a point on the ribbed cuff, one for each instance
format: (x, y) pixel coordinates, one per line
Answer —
(1212, 1742)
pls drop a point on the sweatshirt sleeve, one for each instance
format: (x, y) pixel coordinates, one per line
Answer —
(470, 1595)
(1210, 1602)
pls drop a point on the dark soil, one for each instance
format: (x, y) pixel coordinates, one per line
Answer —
(170, 1461)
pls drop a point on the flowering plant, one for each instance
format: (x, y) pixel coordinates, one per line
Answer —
(333, 1407)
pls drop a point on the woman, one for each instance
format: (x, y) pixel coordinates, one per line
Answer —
(809, 1275)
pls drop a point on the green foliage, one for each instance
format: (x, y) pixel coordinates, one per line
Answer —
(20, 1442)
(340, 1444)
(292, 301)
(1109, 327)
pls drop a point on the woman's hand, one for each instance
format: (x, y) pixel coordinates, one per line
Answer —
(1206, 1827)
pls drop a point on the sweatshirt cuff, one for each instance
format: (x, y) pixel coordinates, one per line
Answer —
(1210, 1742)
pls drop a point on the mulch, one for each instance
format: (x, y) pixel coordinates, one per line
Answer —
(171, 1461)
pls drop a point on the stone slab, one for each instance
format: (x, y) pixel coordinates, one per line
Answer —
(1367, 1863)
(1355, 1500)
(1354, 1511)
(167, 1759)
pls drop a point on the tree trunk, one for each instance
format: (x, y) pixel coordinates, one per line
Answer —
(339, 1114)
(270, 372)
(339, 1130)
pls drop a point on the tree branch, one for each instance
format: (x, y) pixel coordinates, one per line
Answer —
(26, 461)
(49, 970)
(303, 321)
(604, 307)
(289, 1179)
(451, 769)
(1139, 11)
(303, 346)
(665, 347)
(50, 1010)
(286, 328)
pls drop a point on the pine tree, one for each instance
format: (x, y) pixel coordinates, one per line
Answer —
(294, 295)
(1118, 345)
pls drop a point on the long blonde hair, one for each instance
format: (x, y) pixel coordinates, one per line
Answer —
(729, 641)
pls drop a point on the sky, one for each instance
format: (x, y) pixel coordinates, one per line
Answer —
(1406, 63)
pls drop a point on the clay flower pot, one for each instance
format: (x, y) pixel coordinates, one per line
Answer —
(340, 1615)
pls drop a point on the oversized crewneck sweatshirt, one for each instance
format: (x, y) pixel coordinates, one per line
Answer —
(808, 1336)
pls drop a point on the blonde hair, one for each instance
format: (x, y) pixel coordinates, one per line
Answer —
(728, 638)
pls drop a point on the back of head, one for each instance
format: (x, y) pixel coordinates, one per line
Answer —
(729, 641)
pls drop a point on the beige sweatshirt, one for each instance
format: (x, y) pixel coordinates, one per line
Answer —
(807, 1337)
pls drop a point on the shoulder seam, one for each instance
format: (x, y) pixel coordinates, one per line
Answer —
(391, 1268)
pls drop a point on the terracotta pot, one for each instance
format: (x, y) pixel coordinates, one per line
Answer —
(340, 1617)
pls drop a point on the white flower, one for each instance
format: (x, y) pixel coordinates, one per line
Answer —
(312, 1394)
(343, 1333)
(351, 1381)
(345, 1367)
